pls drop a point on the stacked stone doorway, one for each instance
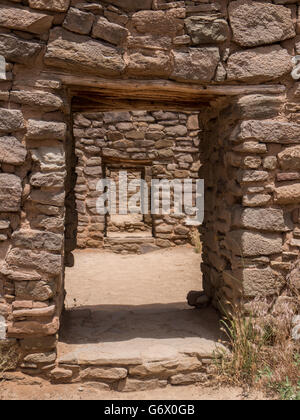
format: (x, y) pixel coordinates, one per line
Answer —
(146, 144)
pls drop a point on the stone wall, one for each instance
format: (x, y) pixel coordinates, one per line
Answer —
(251, 228)
(166, 143)
(63, 55)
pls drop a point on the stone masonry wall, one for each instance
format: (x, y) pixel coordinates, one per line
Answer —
(181, 49)
(169, 141)
(251, 227)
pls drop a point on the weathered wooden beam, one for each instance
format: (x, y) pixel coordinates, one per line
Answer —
(158, 88)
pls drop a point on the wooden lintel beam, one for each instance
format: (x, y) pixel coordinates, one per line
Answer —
(133, 87)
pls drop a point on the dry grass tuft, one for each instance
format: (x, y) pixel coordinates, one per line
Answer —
(263, 353)
(8, 358)
(196, 240)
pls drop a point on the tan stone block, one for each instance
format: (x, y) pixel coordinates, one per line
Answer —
(24, 20)
(275, 23)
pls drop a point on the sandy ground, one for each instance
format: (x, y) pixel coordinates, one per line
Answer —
(44, 391)
(105, 278)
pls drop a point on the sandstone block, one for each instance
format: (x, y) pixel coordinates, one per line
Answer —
(37, 358)
(45, 130)
(58, 374)
(269, 219)
(54, 179)
(250, 244)
(35, 290)
(199, 64)
(132, 5)
(24, 20)
(38, 343)
(48, 198)
(269, 131)
(258, 106)
(164, 370)
(33, 328)
(156, 22)
(275, 23)
(42, 260)
(256, 200)
(34, 239)
(12, 151)
(259, 282)
(288, 194)
(105, 374)
(263, 64)
(79, 21)
(149, 62)
(18, 50)
(11, 121)
(207, 31)
(10, 193)
(80, 53)
(188, 378)
(50, 159)
(110, 32)
(46, 100)
(253, 176)
(251, 147)
(289, 158)
(51, 5)
(46, 312)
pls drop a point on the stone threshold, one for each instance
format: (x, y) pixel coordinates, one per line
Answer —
(140, 364)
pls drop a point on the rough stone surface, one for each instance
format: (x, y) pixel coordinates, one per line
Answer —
(249, 244)
(156, 22)
(269, 219)
(18, 50)
(288, 194)
(198, 64)
(105, 374)
(259, 65)
(47, 101)
(10, 192)
(66, 50)
(274, 24)
(206, 31)
(51, 5)
(110, 32)
(24, 20)
(37, 240)
(289, 159)
(269, 131)
(44, 130)
(78, 21)
(260, 282)
(49, 263)
(11, 121)
(12, 151)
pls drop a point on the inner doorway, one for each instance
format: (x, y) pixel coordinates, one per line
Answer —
(130, 310)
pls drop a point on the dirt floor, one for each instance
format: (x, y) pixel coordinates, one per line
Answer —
(160, 277)
(37, 390)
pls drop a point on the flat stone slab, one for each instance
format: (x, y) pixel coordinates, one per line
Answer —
(134, 336)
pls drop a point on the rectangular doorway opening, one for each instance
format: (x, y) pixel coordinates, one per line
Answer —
(126, 302)
(127, 222)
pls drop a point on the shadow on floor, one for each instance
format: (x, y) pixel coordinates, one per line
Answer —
(117, 323)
